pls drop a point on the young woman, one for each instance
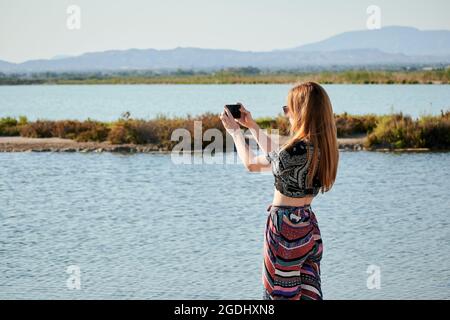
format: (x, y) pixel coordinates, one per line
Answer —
(304, 165)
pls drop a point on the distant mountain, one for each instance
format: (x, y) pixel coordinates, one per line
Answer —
(6, 66)
(386, 47)
(61, 56)
(404, 40)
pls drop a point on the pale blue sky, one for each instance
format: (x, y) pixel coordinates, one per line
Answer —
(37, 29)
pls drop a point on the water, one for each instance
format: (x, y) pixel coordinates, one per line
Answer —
(139, 226)
(108, 102)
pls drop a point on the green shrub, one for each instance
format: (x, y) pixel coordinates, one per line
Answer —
(347, 125)
(283, 125)
(93, 131)
(395, 131)
(8, 127)
(88, 130)
(68, 129)
(132, 131)
(435, 131)
(38, 129)
(8, 122)
(266, 123)
(23, 120)
(388, 131)
(118, 134)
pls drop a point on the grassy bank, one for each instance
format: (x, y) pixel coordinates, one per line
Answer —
(234, 76)
(392, 131)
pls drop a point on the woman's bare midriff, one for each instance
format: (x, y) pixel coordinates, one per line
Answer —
(281, 200)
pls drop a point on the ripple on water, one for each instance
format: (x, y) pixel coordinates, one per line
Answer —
(141, 227)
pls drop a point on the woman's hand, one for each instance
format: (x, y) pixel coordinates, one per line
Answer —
(246, 119)
(230, 124)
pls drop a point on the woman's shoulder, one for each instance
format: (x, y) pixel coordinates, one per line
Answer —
(299, 147)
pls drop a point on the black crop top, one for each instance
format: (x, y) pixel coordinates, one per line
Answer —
(290, 168)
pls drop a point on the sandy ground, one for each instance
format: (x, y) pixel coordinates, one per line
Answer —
(13, 144)
(17, 144)
(35, 141)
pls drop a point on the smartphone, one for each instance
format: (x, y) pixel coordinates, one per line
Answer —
(235, 110)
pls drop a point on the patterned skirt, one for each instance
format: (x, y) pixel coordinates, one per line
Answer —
(292, 253)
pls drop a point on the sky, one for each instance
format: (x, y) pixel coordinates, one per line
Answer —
(38, 29)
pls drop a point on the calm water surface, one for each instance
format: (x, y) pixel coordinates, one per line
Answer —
(139, 226)
(107, 102)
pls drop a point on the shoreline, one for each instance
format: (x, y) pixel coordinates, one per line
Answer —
(238, 76)
(250, 82)
(23, 144)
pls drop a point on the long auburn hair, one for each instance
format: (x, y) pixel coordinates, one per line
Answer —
(313, 121)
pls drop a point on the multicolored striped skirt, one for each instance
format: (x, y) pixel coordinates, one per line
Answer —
(292, 253)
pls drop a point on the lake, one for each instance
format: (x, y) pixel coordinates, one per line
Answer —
(141, 226)
(107, 102)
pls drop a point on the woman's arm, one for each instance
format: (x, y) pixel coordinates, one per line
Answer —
(264, 141)
(251, 162)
